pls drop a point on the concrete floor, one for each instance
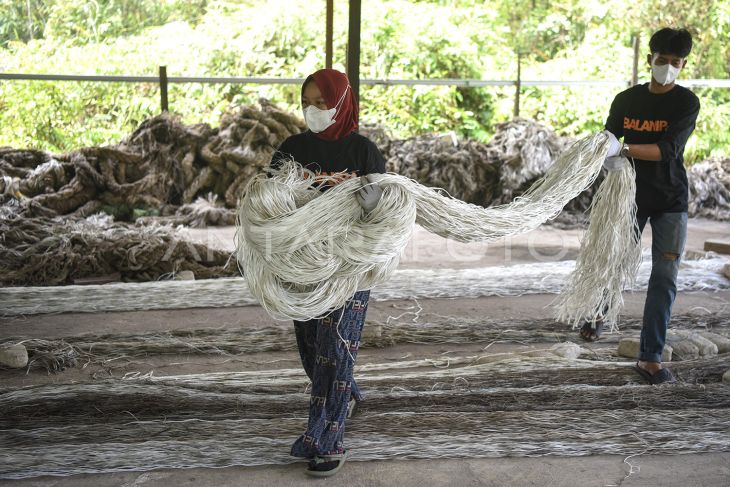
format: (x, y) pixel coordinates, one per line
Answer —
(704, 470)
(425, 251)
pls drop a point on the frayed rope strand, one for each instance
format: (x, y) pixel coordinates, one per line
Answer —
(609, 257)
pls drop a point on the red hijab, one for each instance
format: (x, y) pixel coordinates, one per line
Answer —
(333, 84)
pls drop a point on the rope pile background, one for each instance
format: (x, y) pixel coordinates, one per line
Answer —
(44, 251)
(170, 173)
(709, 189)
(165, 165)
(162, 165)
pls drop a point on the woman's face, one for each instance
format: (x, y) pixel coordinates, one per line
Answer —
(312, 96)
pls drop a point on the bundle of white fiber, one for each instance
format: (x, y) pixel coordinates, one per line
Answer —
(610, 254)
(304, 252)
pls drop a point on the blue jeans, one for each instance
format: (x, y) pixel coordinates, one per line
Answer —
(669, 234)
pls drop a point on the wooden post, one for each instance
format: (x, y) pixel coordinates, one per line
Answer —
(518, 86)
(635, 72)
(353, 48)
(328, 36)
(163, 88)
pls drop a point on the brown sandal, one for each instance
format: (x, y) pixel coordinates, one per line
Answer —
(591, 331)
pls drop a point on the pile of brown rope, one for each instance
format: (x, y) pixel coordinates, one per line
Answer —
(158, 170)
(524, 149)
(460, 167)
(192, 175)
(484, 174)
(164, 172)
(709, 189)
(50, 251)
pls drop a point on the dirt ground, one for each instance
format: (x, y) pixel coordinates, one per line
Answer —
(425, 251)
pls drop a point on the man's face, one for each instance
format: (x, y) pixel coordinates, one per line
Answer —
(662, 59)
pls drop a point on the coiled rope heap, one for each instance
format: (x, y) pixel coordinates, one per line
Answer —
(304, 252)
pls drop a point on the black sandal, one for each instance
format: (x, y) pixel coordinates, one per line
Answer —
(591, 331)
(661, 376)
(326, 465)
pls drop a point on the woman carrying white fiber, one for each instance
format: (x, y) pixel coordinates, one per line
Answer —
(328, 345)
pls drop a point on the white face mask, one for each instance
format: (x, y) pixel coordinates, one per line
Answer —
(319, 120)
(664, 74)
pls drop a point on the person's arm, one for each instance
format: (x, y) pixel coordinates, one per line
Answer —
(674, 139)
(645, 152)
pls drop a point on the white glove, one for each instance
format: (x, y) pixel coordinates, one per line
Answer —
(614, 163)
(370, 194)
(614, 146)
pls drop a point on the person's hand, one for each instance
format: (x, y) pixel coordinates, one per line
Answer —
(369, 195)
(614, 146)
(614, 163)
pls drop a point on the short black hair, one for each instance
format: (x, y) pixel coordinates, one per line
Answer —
(677, 42)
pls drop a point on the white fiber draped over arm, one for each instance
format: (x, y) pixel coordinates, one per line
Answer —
(304, 252)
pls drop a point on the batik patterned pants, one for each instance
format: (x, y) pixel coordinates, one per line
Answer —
(328, 348)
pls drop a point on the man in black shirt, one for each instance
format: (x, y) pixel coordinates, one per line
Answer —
(655, 120)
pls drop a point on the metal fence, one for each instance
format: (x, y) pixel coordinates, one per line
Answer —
(163, 81)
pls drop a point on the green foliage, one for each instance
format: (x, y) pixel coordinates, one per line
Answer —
(540, 29)
(396, 48)
(22, 20)
(707, 21)
(401, 39)
(712, 137)
(82, 21)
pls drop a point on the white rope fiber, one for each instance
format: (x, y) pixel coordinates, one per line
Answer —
(609, 257)
(705, 274)
(304, 252)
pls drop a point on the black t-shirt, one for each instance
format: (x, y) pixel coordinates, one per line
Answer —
(643, 117)
(351, 154)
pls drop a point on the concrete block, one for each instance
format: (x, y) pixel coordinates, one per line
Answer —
(185, 276)
(567, 350)
(629, 347)
(705, 348)
(726, 270)
(717, 245)
(685, 350)
(372, 330)
(721, 342)
(14, 356)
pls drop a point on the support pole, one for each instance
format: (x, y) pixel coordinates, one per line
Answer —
(353, 48)
(163, 88)
(518, 86)
(635, 72)
(328, 37)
